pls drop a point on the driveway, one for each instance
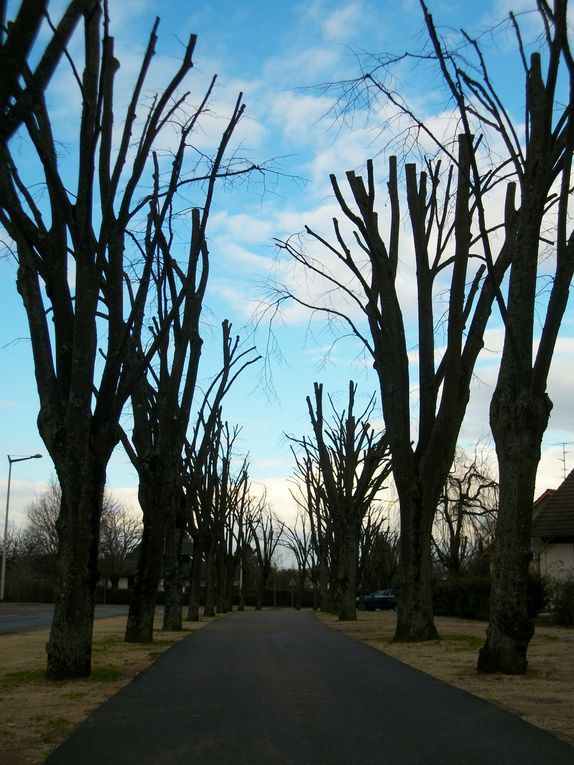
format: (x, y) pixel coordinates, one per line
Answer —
(279, 687)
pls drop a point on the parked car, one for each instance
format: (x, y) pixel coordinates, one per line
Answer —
(384, 599)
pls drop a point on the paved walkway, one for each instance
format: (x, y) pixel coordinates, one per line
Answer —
(279, 687)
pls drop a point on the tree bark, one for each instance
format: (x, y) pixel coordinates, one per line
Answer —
(69, 647)
(173, 577)
(347, 573)
(139, 628)
(518, 427)
(415, 607)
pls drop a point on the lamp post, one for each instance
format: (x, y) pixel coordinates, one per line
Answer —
(5, 542)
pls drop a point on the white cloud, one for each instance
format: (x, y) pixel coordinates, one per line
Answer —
(342, 23)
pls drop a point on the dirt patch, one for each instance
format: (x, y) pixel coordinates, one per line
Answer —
(544, 696)
(37, 715)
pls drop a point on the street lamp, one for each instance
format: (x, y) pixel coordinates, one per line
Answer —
(5, 543)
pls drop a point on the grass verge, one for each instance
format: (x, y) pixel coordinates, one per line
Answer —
(37, 715)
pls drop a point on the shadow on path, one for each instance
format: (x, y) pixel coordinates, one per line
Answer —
(279, 687)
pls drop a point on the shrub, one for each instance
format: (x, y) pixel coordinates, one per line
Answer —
(562, 602)
(467, 596)
(464, 597)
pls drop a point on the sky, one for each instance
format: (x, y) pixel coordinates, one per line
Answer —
(277, 54)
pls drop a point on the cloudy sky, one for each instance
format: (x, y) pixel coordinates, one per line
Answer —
(278, 54)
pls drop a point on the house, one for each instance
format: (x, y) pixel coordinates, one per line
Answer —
(130, 565)
(553, 531)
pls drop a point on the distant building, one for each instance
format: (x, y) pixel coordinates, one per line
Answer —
(130, 567)
(553, 531)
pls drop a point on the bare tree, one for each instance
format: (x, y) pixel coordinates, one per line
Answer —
(20, 86)
(163, 397)
(298, 540)
(466, 513)
(307, 491)
(120, 531)
(378, 552)
(205, 466)
(41, 520)
(443, 248)
(73, 255)
(352, 460)
(120, 534)
(534, 162)
(266, 533)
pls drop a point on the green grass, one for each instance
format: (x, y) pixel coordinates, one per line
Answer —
(470, 641)
(14, 679)
(105, 674)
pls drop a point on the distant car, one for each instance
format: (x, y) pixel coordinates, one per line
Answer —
(384, 599)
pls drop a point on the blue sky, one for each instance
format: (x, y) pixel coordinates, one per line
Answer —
(274, 52)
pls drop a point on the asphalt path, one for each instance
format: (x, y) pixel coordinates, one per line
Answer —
(278, 687)
(26, 617)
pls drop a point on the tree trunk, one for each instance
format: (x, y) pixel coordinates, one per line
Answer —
(139, 628)
(325, 590)
(230, 564)
(69, 647)
(347, 573)
(518, 427)
(209, 609)
(261, 590)
(415, 610)
(173, 577)
(195, 582)
(221, 577)
(244, 579)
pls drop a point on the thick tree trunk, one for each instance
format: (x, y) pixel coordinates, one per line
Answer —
(221, 582)
(141, 614)
(518, 426)
(260, 594)
(347, 573)
(415, 609)
(69, 647)
(173, 577)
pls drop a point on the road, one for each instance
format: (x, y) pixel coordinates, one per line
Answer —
(25, 617)
(281, 688)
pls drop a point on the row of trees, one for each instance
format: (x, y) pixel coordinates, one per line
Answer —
(112, 271)
(345, 541)
(479, 259)
(113, 300)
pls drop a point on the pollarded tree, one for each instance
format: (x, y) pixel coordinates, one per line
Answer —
(442, 208)
(297, 539)
(163, 396)
(352, 461)
(203, 468)
(310, 498)
(534, 136)
(73, 247)
(539, 215)
(266, 532)
(378, 552)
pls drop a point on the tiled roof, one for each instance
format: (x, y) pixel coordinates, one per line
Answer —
(553, 512)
